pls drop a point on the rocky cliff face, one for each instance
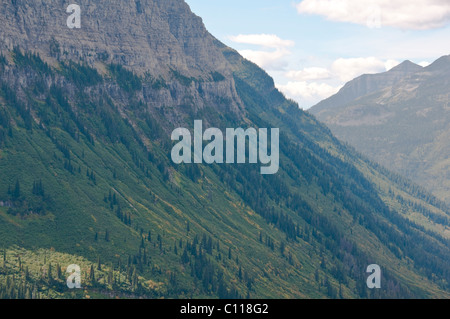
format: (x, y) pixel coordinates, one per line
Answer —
(149, 37)
(142, 34)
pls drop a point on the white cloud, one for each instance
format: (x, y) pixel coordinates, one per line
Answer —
(269, 60)
(309, 74)
(342, 70)
(313, 84)
(389, 64)
(309, 93)
(348, 69)
(265, 40)
(424, 63)
(403, 14)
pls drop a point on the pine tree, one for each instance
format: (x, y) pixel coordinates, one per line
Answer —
(16, 192)
(282, 247)
(92, 275)
(134, 282)
(99, 265)
(160, 242)
(185, 257)
(58, 271)
(110, 276)
(49, 275)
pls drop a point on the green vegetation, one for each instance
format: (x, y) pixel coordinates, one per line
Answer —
(30, 60)
(127, 80)
(86, 180)
(184, 80)
(42, 274)
(156, 83)
(217, 77)
(80, 75)
(3, 62)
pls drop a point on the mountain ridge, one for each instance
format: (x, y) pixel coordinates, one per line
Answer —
(366, 84)
(402, 126)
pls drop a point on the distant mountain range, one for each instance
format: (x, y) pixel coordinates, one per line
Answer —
(400, 119)
(86, 175)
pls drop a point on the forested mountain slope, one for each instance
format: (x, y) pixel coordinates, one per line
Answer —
(87, 178)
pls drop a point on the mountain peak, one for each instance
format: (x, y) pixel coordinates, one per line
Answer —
(441, 64)
(407, 67)
(366, 84)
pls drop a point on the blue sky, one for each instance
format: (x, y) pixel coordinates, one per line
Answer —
(312, 47)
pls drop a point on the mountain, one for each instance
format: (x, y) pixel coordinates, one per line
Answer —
(403, 125)
(364, 85)
(86, 117)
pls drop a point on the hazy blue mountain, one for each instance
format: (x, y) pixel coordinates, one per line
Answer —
(403, 126)
(363, 85)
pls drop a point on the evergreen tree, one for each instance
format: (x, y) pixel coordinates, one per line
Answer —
(49, 275)
(282, 247)
(58, 271)
(16, 192)
(185, 257)
(27, 274)
(92, 275)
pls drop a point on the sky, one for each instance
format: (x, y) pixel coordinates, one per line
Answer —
(313, 47)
